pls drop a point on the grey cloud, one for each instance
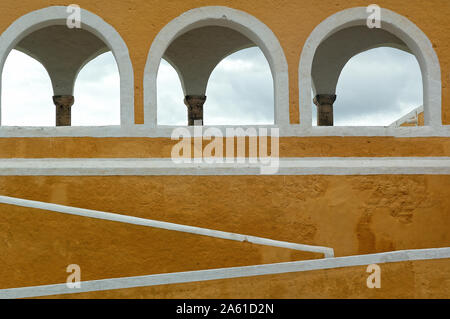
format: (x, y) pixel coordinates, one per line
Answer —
(97, 93)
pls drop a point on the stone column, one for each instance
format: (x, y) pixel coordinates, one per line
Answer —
(194, 105)
(324, 103)
(63, 105)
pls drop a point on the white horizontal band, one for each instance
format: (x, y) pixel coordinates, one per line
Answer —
(286, 166)
(227, 273)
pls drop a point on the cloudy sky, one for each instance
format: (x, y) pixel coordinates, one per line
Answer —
(375, 88)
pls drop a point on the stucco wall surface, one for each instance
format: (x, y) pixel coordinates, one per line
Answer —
(139, 21)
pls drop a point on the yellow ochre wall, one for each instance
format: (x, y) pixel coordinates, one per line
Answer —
(412, 279)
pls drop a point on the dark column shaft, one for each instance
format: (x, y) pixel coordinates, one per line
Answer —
(63, 105)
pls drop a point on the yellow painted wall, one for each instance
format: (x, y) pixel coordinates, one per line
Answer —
(142, 147)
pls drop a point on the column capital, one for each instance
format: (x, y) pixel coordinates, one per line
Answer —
(194, 105)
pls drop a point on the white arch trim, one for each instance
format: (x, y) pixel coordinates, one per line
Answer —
(394, 23)
(57, 15)
(240, 21)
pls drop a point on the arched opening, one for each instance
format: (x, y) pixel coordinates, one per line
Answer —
(240, 90)
(64, 51)
(345, 35)
(376, 88)
(195, 43)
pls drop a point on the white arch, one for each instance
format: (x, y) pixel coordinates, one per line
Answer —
(394, 23)
(57, 15)
(240, 21)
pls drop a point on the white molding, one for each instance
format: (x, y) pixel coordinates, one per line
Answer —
(328, 252)
(392, 22)
(57, 15)
(285, 166)
(228, 273)
(240, 21)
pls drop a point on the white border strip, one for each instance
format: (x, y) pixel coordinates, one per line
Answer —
(328, 252)
(57, 15)
(286, 166)
(139, 130)
(226, 273)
